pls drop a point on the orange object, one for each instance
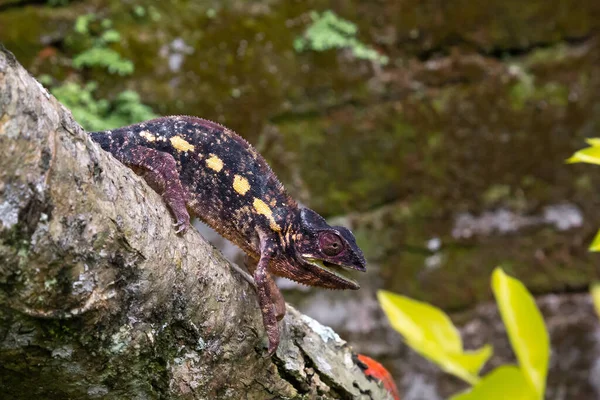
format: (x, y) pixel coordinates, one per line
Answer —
(378, 371)
(47, 52)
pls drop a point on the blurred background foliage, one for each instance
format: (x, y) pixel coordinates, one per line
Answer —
(437, 131)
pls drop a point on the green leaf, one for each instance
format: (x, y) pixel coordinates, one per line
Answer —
(139, 11)
(430, 332)
(525, 327)
(100, 114)
(45, 79)
(329, 31)
(105, 58)
(595, 246)
(82, 23)
(110, 36)
(589, 155)
(505, 382)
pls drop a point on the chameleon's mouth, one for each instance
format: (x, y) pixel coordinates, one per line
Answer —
(333, 269)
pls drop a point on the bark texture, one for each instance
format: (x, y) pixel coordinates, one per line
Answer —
(99, 298)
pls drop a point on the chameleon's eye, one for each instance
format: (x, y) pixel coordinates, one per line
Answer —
(331, 244)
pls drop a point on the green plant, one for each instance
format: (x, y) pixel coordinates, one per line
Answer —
(96, 115)
(99, 54)
(139, 11)
(103, 57)
(329, 31)
(429, 331)
(92, 113)
(142, 12)
(590, 155)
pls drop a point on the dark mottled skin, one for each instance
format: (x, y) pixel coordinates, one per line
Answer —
(203, 169)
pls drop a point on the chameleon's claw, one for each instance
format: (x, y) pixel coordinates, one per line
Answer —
(182, 226)
(271, 350)
(273, 337)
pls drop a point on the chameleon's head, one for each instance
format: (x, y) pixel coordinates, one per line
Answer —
(326, 251)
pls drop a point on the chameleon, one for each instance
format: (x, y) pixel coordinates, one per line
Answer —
(203, 169)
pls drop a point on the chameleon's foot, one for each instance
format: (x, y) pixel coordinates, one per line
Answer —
(180, 213)
(272, 329)
(182, 226)
(272, 347)
(270, 352)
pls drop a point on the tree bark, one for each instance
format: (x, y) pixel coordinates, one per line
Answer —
(99, 298)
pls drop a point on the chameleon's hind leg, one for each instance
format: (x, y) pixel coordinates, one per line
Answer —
(159, 170)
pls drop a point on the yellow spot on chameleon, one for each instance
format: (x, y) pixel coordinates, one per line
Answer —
(240, 184)
(214, 163)
(274, 227)
(148, 136)
(263, 209)
(180, 144)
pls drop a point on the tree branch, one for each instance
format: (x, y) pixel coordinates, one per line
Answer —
(100, 298)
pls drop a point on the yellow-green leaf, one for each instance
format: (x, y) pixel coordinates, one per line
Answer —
(525, 327)
(505, 382)
(430, 332)
(595, 292)
(589, 155)
(595, 246)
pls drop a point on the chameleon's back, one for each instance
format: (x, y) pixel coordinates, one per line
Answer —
(227, 183)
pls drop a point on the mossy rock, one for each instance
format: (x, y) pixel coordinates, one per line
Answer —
(477, 109)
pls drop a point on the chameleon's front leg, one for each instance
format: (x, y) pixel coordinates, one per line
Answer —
(276, 296)
(265, 301)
